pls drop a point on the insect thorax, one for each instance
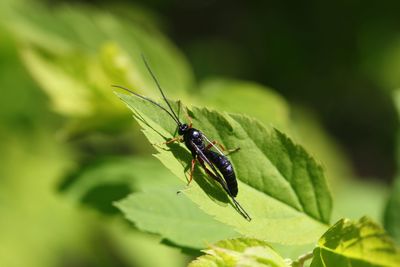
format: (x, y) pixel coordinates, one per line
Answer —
(195, 136)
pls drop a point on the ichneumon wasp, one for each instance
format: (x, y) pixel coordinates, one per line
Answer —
(215, 164)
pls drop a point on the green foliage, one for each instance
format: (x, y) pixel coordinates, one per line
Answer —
(175, 218)
(75, 54)
(246, 97)
(310, 133)
(392, 214)
(106, 180)
(281, 186)
(351, 196)
(239, 252)
(43, 227)
(361, 243)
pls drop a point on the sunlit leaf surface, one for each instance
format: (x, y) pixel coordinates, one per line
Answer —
(280, 185)
(239, 252)
(361, 243)
(174, 217)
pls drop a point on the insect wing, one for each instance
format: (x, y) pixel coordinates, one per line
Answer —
(212, 144)
(203, 157)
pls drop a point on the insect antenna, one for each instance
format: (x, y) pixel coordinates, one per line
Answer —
(159, 87)
(148, 99)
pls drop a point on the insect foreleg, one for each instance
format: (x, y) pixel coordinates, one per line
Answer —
(178, 138)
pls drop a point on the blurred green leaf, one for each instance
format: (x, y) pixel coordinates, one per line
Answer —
(309, 132)
(385, 68)
(38, 223)
(239, 252)
(246, 97)
(281, 186)
(174, 217)
(392, 212)
(75, 54)
(396, 100)
(361, 243)
(106, 180)
(21, 104)
(142, 249)
(354, 199)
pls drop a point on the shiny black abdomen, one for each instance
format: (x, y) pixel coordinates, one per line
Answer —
(225, 167)
(220, 162)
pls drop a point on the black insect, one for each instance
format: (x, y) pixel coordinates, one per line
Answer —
(215, 164)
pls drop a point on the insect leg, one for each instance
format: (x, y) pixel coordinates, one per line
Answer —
(192, 170)
(178, 138)
(191, 173)
(213, 143)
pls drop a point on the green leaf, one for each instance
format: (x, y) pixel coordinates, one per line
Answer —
(280, 185)
(76, 53)
(141, 249)
(361, 243)
(392, 212)
(174, 217)
(354, 198)
(239, 252)
(246, 97)
(311, 134)
(106, 180)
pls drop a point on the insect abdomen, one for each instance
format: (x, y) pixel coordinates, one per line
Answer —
(225, 167)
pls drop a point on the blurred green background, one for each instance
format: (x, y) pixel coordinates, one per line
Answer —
(68, 144)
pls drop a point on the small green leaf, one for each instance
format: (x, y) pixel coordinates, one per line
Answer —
(392, 212)
(239, 252)
(280, 185)
(361, 243)
(174, 217)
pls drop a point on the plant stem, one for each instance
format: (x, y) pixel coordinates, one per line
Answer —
(300, 260)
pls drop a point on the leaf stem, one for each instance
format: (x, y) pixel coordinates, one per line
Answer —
(301, 259)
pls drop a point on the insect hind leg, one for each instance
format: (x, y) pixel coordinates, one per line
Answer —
(224, 149)
(238, 207)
